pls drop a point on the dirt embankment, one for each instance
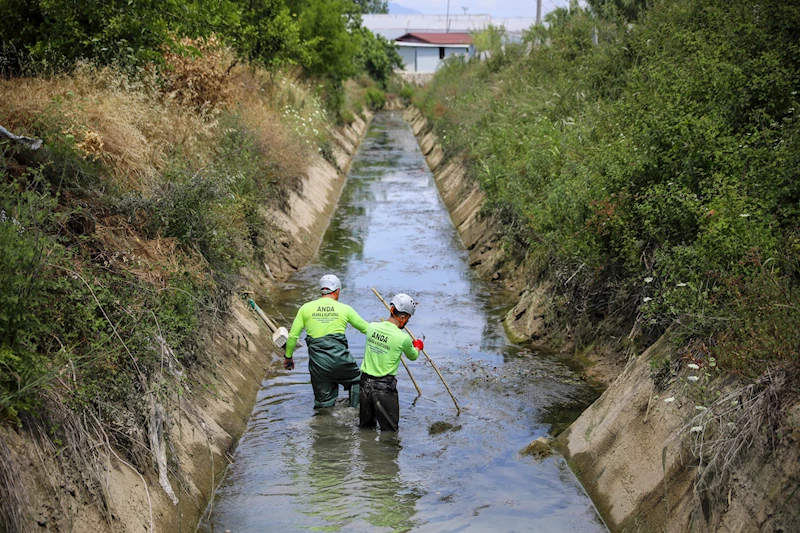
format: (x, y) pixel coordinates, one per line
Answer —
(309, 212)
(464, 200)
(670, 445)
(208, 419)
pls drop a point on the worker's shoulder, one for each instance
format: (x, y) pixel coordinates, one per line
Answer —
(308, 304)
(311, 305)
(390, 329)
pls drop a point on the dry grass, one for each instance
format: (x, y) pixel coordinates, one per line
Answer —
(12, 493)
(123, 124)
(138, 129)
(258, 97)
(748, 419)
(135, 128)
(154, 261)
(199, 80)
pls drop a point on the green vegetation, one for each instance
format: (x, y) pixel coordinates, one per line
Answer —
(171, 129)
(652, 176)
(490, 39)
(323, 37)
(170, 138)
(376, 99)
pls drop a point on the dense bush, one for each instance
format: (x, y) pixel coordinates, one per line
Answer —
(27, 250)
(376, 99)
(664, 159)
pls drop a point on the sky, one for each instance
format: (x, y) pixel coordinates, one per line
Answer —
(496, 8)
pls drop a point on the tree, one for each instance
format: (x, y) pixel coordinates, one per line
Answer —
(267, 32)
(372, 6)
(491, 39)
(376, 56)
(629, 9)
(324, 30)
(51, 35)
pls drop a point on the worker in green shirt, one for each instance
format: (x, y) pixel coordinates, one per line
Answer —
(329, 360)
(386, 343)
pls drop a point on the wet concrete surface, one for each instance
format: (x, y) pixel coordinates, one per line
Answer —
(297, 469)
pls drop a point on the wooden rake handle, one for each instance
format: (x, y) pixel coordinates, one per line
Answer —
(458, 408)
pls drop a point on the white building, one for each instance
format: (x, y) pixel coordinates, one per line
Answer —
(424, 52)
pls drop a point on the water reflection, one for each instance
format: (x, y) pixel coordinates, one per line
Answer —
(351, 477)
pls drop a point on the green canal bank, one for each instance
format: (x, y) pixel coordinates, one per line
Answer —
(639, 449)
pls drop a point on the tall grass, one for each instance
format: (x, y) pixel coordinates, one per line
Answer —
(659, 166)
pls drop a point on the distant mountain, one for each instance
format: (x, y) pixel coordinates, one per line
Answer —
(396, 9)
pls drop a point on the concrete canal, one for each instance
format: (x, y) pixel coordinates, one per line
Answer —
(297, 469)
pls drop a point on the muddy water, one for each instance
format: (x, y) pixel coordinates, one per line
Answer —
(297, 469)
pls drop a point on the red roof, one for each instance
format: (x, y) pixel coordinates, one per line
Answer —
(436, 38)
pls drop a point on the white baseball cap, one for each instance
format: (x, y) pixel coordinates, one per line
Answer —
(329, 283)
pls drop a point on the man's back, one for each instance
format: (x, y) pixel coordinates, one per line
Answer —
(325, 316)
(385, 345)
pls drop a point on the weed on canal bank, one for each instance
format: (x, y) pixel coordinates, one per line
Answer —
(652, 176)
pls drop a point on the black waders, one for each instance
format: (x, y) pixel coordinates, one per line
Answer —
(331, 364)
(379, 402)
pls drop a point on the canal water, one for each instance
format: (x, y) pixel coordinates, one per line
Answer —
(297, 469)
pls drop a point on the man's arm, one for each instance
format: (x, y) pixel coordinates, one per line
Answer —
(355, 319)
(294, 333)
(408, 349)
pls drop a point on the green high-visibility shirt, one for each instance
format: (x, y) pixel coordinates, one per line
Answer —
(323, 317)
(385, 345)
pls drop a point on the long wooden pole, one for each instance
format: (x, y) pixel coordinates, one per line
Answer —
(414, 381)
(458, 408)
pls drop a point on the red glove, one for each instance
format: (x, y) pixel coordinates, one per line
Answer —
(418, 344)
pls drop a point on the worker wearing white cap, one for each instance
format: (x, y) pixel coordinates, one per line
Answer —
(387, 342)
(329, 360)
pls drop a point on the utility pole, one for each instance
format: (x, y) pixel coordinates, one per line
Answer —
(447, 19)
(538, 12)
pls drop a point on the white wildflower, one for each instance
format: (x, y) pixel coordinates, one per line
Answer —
(744, 215)
(681, 285)
(697, 429)
(669, 400)
(646, 299)
(693, 366)
(648, 279)
(692, 378)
